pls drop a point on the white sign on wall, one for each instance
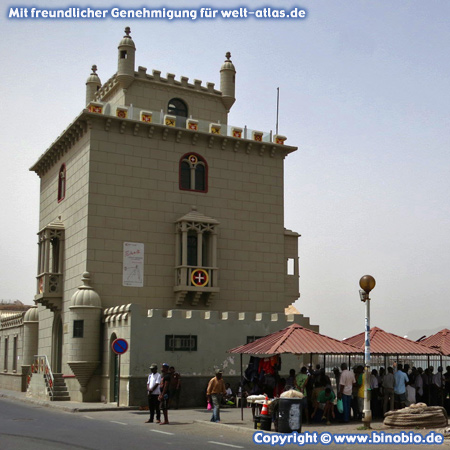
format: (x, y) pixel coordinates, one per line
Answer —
(133, 264)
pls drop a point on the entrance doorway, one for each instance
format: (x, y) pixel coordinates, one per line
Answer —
(57, 344)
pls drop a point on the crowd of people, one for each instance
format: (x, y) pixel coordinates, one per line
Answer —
(390, 389)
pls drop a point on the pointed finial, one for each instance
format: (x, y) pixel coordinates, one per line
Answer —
(94, 70)
(228, 56)
(127, 31)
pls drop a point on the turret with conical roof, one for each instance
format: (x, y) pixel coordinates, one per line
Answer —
(228, 82)
(93, 84)
(127, 54)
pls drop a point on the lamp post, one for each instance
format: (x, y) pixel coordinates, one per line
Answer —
(367, 283)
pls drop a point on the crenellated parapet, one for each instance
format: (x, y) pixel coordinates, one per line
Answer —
(12, 320)
(219, 317)
(117, 314)
(146, 125)
(120, 315)
(155, 77)
(183, 82)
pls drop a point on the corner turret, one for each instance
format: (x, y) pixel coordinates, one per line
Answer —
(126, 59)
(93, 84)
(228, 82)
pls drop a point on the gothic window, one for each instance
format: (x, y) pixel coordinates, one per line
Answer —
(193, 174)
(177, 107)
(192, 246)
(62, 183)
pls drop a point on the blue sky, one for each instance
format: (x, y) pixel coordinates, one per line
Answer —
(363, 93)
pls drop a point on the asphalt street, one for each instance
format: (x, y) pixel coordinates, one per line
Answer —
(29, 424)
(25, 426)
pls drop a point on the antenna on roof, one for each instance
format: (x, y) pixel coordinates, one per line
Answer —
(278, 108)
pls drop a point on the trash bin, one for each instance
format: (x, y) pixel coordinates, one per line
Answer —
(266, 423)
(262, 422)
(290, 415)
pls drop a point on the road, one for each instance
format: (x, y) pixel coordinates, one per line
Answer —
(27, 426)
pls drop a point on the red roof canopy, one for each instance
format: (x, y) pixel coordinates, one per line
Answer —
(298, 340)
(384, 343)
(439, 341)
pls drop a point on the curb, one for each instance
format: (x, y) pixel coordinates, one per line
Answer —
(72, 409)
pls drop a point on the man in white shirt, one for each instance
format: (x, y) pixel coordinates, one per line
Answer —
(346, 382)
(153, 391)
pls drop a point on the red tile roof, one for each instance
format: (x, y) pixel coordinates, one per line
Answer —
(439, 341)
(297, 340)
(384, 343)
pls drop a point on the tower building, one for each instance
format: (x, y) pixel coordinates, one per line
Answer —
(163, 225)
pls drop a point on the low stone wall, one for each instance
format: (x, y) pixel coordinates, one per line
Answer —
(13, 381)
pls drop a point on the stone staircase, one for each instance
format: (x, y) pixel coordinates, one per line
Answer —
(59, 391)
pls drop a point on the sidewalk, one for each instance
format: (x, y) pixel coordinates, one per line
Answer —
(230, 417)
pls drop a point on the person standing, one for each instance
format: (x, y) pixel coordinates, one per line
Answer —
(153, 391)
(374, 394)
(164, 395)
(418, 384)
(214, 392)
(388, 390)
(337, 376)
(447, 382)
(400, 387)
(437, 384)
(346, 382)
(174, 387)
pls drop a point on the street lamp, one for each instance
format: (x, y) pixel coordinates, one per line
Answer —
(367, 283)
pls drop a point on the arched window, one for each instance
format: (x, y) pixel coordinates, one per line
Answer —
(62, 183)
(177, 107)
(193, 173)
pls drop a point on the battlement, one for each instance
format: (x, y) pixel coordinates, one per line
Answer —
(182, 82)
(117, 313)
(12, 320)
(220, 316)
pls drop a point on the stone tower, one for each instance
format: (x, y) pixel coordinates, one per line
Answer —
(174, 218)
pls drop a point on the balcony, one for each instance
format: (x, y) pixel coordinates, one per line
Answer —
(50, 292)
(195, 285)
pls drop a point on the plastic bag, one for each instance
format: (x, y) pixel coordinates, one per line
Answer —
(209, 406)
(340, 406)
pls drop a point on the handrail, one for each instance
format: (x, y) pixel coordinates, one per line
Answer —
(41, 365)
